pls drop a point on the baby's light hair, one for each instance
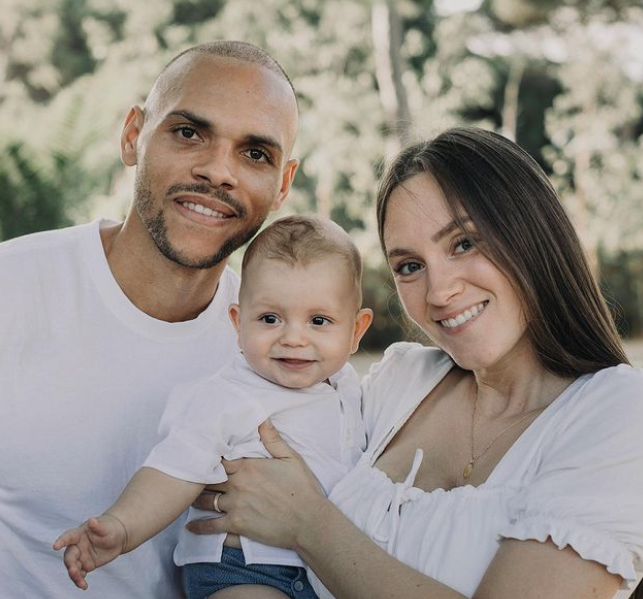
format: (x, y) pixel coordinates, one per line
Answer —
(302, 240)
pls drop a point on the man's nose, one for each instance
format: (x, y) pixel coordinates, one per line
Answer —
(217, 165)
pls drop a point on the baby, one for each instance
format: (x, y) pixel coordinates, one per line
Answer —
(298, 320)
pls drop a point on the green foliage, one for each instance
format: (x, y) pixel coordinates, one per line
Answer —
(70, 52)
(622, 281)
(30, 199)
(564, 79)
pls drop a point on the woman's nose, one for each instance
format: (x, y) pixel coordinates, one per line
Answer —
(444, 283)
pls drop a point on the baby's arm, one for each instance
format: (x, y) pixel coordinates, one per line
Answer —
(149, 503)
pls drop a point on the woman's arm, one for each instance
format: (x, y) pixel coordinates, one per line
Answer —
(278, 502)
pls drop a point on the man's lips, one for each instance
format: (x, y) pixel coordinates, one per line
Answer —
(216, 199)
(201, 208)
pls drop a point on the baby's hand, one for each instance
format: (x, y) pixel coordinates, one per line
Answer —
(92, 545)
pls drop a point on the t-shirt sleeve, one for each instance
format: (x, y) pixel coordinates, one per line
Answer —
(202, 422)
(587, 491)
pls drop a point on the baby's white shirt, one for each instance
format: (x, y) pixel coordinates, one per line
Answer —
(218, 416)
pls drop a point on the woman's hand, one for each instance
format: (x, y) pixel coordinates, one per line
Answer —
(271, 501)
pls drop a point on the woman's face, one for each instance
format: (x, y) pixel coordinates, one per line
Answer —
(456, 295)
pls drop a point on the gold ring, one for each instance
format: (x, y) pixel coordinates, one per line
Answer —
(215, 502)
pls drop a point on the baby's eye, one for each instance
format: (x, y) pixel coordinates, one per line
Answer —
(408, 268)
(269, 319)
(320, 321)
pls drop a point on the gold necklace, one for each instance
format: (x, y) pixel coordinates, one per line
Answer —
(468, 469)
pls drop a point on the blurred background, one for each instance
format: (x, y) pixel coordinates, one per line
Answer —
(562, 78)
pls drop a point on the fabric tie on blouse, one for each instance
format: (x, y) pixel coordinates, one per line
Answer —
(402, 492)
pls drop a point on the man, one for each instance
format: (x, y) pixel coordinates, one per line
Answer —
(99, 322)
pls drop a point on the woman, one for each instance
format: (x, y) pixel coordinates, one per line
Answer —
(505, 464)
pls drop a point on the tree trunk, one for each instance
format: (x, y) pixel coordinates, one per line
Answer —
(581, 207)
(387, 40)
(511, 106)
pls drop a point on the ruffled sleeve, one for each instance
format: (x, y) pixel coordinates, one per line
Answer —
(587, 488)
(202, 422)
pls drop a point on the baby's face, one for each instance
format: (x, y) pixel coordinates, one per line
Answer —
(298, 324)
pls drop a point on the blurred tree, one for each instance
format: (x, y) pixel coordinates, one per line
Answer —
(563, 79)
(593, 126)
(387, 44)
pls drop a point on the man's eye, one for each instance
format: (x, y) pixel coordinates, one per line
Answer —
(319, 321)
(258, 155)
(269, 319)
(186, 132)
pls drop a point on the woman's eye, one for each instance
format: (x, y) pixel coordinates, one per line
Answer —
(319, 321)
(408, 268)
(463, 245)
(269, 319)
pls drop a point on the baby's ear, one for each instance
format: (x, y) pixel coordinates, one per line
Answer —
(363, 320)
(235, 317)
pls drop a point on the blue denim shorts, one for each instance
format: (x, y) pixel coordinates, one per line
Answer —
(202, 579)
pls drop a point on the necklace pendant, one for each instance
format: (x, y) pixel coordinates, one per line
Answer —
(466, 473)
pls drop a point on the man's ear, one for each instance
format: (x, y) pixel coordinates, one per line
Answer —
(130, 134)
(363, 320)
(286, 183)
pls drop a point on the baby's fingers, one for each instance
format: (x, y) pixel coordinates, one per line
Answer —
(75, 568)
(70, 537)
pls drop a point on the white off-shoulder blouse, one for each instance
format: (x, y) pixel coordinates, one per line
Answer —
(575, 475)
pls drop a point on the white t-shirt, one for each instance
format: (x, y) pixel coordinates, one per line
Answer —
(85, 377)
(575, 475)
(219, 415)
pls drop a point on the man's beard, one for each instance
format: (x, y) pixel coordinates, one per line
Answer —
(156, 227)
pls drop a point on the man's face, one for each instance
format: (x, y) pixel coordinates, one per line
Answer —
(212, 156)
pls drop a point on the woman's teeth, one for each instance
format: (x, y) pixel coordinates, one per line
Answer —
(203, 210)
(451, 323)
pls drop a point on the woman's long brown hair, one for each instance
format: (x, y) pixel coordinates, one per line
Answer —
(526, 232)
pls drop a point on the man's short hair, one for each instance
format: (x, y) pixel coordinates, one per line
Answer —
(240, 51)
(301, 240)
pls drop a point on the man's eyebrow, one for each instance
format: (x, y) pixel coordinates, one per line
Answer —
(199, 121)
(251, 138)
(265, 140)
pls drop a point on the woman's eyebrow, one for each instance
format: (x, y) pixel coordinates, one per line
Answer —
(448, 229)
